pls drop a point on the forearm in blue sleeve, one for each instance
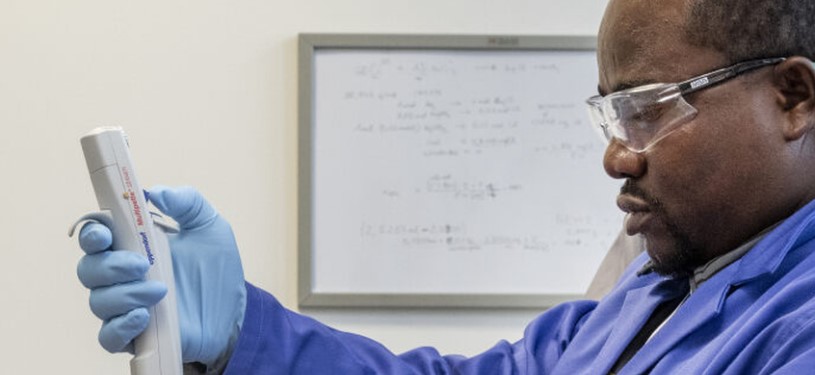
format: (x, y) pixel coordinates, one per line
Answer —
(274, 340)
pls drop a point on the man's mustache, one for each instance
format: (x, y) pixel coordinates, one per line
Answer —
(634, 190)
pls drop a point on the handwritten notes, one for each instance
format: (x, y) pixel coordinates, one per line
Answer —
(457, 171)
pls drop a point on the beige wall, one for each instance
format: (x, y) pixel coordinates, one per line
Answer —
(207, 92)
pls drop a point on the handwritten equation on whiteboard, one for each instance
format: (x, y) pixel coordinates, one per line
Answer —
(483, 162)
(457, 238)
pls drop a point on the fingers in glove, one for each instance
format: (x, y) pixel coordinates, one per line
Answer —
(185, 205)
(118, 333)
(111, 267)
(111, 301)
(95, 237)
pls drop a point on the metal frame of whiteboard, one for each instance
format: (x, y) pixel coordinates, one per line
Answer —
(308, 45)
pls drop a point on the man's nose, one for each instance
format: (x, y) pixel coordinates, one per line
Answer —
(620, 162)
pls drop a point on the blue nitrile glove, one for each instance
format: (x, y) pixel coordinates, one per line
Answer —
(209, 280)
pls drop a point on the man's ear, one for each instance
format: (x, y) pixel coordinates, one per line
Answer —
(794, 79)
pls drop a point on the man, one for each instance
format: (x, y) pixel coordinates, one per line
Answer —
(719, 170)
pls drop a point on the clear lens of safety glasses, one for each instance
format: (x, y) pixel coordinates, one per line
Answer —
(641, 116)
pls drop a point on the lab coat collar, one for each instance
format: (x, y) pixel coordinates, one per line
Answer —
(768, 254)
(699, 309)
(638, 306)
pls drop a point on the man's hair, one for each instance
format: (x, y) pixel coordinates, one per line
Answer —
(750, 29)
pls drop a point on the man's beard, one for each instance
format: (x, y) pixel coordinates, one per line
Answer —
(684, 256)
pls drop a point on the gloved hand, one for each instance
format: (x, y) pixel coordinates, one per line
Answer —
(210, 288)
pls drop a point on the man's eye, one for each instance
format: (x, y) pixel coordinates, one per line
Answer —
(649, 113)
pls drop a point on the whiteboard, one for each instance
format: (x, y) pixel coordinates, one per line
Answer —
(449, 171)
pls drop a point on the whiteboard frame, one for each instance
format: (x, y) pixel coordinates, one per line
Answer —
(308, 44)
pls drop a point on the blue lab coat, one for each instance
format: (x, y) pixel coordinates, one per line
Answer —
(755, 316)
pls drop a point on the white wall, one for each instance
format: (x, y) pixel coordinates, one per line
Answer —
(207, 92)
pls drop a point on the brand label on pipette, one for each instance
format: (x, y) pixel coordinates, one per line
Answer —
(137, 214)
(146, 244)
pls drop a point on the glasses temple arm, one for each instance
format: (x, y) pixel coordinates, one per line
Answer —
(721, 75)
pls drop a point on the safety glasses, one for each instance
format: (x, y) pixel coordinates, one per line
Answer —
(641, 116)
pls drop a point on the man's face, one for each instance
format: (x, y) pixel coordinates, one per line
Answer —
(711, 184)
